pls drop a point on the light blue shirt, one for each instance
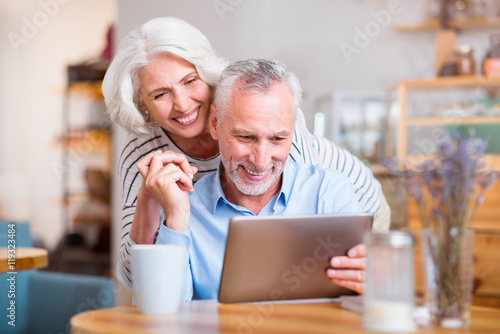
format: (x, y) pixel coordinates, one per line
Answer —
(306, 189)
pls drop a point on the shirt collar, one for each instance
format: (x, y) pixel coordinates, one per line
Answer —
(283, 196)
(287, 182)
(218, 194)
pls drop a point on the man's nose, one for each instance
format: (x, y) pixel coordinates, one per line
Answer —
(260, 155)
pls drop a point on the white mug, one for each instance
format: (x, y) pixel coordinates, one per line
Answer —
(157, 275)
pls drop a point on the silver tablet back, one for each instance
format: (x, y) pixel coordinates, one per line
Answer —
(271, 258)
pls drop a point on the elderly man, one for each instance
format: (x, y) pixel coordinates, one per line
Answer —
(253, 120)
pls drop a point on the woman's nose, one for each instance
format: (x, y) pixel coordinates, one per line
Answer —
(181, 101)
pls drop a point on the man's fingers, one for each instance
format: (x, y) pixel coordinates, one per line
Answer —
(143, 170)
(344, 262)
(355, 286)
(348, 271)
(183, 181)
(348, 275)
(155, 161)
(156, 164)
(357, 251)
(177, 158)
(180, 160)
(143, 164)
(172, 172)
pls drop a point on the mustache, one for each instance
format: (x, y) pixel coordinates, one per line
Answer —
(253, 168)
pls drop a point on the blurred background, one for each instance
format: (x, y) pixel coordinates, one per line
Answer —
(58, 149)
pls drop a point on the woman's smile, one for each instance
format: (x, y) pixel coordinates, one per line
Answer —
(189, 118)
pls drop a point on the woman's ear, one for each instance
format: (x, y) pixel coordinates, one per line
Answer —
(142, 107)
(212, 122)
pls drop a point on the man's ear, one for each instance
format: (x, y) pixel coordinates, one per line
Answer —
(212, 122)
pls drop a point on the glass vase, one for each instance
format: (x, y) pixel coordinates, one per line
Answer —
(447, 256)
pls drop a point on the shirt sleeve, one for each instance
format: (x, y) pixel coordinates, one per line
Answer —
(168, 236)
(131, 182)
(308, 148)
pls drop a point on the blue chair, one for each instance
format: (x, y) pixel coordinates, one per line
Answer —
(45, 301)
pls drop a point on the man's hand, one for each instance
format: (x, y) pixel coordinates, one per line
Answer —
(349, 271)
(165, 157)
(167, 176)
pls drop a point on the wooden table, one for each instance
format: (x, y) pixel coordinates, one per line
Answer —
(26, 258)
(210, 317)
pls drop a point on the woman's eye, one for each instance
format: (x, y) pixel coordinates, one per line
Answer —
(190, 81)
(159, 96)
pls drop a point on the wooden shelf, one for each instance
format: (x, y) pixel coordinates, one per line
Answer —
(429, 121)
(91, 89)
(491, 161)
(99, 139)
(450, 82)
(433, 25)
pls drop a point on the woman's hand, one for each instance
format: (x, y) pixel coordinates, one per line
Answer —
(349, 271)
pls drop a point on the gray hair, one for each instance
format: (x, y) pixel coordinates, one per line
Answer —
(155, 37)
(254, 76)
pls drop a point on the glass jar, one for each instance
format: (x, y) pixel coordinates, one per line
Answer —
(456, 9)
(464, 60)
(389, 295)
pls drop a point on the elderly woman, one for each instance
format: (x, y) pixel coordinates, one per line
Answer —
(159, 89)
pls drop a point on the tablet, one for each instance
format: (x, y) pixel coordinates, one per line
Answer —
(269, 258)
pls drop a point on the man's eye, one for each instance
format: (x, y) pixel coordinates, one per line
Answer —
(279, 139)
(246, 138)
(190, 81)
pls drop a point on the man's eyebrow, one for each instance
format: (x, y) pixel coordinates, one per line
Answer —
(157, 90)
(282, 134)
(240, 131)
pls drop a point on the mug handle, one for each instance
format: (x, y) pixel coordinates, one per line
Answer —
(120, 268)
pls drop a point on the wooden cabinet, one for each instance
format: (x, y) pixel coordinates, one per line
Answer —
(429, 107)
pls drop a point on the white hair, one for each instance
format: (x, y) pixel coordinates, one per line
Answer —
(157, 36)
(254, 76)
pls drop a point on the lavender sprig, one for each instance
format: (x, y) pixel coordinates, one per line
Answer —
(449, 180)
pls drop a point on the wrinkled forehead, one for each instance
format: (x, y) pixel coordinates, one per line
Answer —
(272, 111)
